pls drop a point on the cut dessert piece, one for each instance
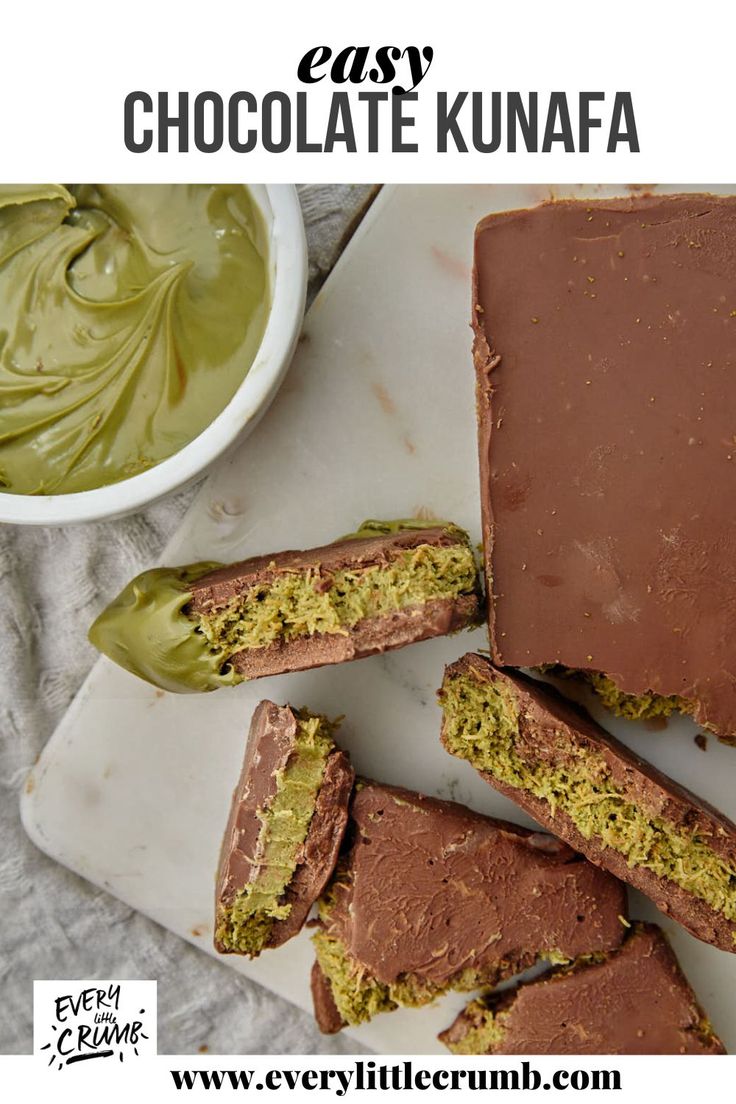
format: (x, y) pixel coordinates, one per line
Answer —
(605, 356)
(431, 896)
(634, 1000)
(288, 815)
(554, 761)
(204, 626)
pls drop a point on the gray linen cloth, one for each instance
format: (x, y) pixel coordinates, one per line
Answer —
(52, 923)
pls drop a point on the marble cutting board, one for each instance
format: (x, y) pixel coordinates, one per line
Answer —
(375, 419)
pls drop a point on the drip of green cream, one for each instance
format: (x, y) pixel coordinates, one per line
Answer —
(481, 724)
(375, 528)
(244, 925)
(147, 632)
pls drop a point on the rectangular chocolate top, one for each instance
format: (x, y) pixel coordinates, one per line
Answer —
(605, 350)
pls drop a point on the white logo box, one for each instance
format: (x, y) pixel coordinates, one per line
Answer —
(101, 1022)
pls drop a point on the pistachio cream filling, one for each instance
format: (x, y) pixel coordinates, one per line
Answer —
(635, 707)
(358, 997)
(294, 604)
(245, 924)
(481, 724)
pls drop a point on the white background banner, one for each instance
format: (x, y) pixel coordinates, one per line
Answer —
(298, 1078)
(66, 74)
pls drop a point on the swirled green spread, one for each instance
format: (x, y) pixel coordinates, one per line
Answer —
(129, 316)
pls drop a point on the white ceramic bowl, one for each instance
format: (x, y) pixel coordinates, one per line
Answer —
(279, 205)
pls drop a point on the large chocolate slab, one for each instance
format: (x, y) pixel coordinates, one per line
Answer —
(605, 353)
(635, 1000)
(559, 735)
(433, 895)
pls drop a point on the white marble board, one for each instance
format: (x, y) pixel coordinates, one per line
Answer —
(375, 418)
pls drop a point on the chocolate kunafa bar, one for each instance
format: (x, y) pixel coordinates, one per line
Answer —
(205, 626)
(429, 896)
(605, 358)
(553, 760)
(633, 1000)
(288, 815)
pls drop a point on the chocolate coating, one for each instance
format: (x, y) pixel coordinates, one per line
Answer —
(635, 1001)
(605, 354)
(326, 1013)
(271, 741)
(430, 889)
(543, 715)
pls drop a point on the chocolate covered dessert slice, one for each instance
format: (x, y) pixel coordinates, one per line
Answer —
(287, 819)
(205, 626)
(430, 896)
(634, 1000)
(605, 356)
(554, 761)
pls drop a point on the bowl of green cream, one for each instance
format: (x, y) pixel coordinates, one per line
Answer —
(144, 328)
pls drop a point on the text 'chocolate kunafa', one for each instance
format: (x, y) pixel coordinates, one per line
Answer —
(430, 896)
(553, 760)
(205, 626)
(288, 815)
(605, 354)
(634, 1000)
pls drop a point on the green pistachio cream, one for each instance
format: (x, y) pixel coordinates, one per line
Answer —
(148, 633)
(129, 316)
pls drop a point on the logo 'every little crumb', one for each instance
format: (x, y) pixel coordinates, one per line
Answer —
(76, 1021)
